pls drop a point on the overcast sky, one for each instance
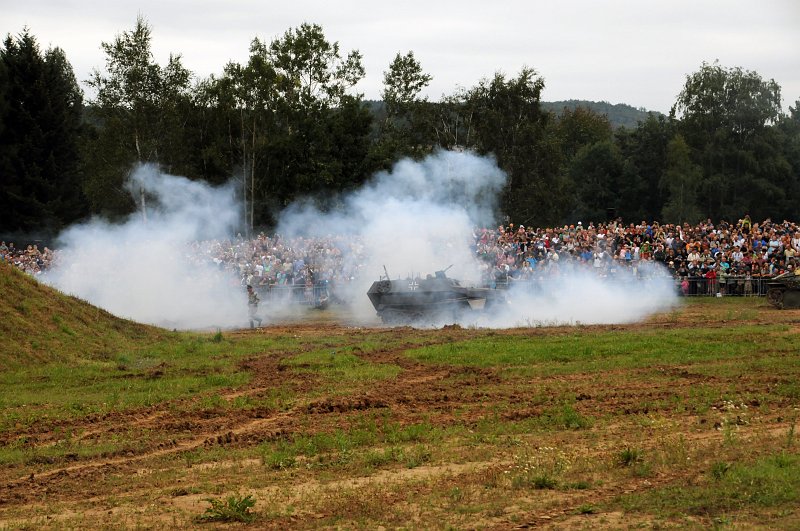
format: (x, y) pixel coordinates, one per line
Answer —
(621, 51)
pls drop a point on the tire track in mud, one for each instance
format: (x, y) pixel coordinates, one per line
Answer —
(222, 436)
(417, 389)
(252, 430)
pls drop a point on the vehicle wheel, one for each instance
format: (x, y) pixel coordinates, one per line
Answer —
(775, 297)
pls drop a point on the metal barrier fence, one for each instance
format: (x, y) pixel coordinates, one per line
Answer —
(321, 295)
(740, 286)
(737, 286)
(316, 296)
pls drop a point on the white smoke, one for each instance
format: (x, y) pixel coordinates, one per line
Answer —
(577, 295)
(143, 269)
(418, 218)
(415, 219)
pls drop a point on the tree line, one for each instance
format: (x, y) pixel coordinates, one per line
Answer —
(288, 124)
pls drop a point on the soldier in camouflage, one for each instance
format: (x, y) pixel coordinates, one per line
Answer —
(252, 306)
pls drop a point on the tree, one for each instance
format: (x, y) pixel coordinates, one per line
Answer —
(139, 112)
(504, 118)
(726, 117)
(40, 128)
(580, 127)
(311, 70)
(406, 128)
(645, 151)
(595, 173)
(733, 100)
(788, 140)
(249, 95)
(681, 180)
(287, 121)
(315, 87)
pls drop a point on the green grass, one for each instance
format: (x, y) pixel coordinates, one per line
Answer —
(189, 365)
(591, 351)
(341, 365)
(20, 452)
(336, 449)
(770, 482)
(234, 508)
(41, 325)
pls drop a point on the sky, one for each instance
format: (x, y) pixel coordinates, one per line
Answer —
(637, 52)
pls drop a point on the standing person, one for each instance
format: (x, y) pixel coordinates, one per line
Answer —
(252, 306)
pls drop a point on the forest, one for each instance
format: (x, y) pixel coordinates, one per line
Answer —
(289, 124)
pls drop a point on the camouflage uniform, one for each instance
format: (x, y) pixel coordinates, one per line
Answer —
(252, 306)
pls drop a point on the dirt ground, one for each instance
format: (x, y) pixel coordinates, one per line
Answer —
(163, 483)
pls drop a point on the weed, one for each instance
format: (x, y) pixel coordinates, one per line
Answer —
(723, 521)
(217, 338)
(569, 418)
(235, 508)
(543, 481)
(491, 478)
(773, 481)
(782, 460)
(729, 433)
(586, 508)
(419, 455)
(629, 456)
(564, 417)
(674, 451)
(377, 458)
(642, 470)
(281, 459)
(538, 469)
(395, 433)
(719, 469)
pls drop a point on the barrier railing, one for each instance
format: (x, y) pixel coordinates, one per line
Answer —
(732, 286)
(316, 296)
(737, 286)
(740, 286)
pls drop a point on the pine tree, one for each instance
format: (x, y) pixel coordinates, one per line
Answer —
(40, 116)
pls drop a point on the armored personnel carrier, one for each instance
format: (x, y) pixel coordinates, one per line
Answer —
(435, 299)
(783, 291)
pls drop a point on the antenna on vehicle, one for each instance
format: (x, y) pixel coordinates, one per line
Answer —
(387, 273)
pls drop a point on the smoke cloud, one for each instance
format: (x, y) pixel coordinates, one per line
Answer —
(418, 218)
(421, 216)
(578, 296)
(143, 269)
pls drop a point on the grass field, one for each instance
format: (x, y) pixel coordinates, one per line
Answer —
(687, 419)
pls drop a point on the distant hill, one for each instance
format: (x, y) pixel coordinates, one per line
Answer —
(39, 324)
(619, 114)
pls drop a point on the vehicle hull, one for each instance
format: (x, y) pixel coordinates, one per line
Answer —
(431, 300)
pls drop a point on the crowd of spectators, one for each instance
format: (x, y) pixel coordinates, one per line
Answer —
(701, 257)
(275, 261)
(698, 256)
(30, 259)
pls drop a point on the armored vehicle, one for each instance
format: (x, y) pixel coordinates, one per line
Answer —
(783, 291)
(435, 299)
